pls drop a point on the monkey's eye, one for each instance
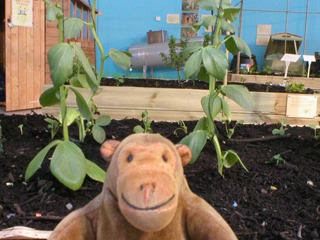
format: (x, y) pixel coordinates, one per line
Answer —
(130, 158)
(164, 158)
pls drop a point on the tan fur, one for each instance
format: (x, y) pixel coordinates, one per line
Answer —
(145, 196)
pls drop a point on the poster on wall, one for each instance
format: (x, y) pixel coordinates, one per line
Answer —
(22, 13)
(189, 6)
(189, 19)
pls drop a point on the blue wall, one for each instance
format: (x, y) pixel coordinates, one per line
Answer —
(126, 22)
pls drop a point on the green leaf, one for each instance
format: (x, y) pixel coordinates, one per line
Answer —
(278, 131)
(202, 124)
(235, 44)
(51, 13)
(98, 134)
(208, 4)
(230, 12)
(120, 59)
(35, 164)
(192, 66)
(226, 109)
(215, 62)
(72, 115)
(49, 97)
(206, 22)
(69, 165)
(103, 120)
(230, 157)
(203, 75)
(314, 127)
(211, 105)
(72, 27)
(196, 142)
(138, 129)
(82, 104)
(239, 94)
(60, 58)
(95, 172)
(225, 26)
(191, 48)
(92, 79)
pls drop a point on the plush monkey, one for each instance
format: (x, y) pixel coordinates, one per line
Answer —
(145, 196)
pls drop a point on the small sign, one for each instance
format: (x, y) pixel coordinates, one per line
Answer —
(309, 59)
(299, 106)
(290, 57)
(262, 40)
(173, 18)
(22, 13)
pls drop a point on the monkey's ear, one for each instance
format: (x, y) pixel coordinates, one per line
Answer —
(185, 153)
(108, 148)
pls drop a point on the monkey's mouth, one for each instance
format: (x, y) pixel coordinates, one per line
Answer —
(147, 208)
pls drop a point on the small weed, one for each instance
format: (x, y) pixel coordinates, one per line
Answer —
(282, 129)
(182, 127)
(230, 131)
(269, 84)
(276, 160)
(146, 122)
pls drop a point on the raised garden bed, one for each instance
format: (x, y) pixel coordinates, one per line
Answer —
(268, 202)
(176, 103)
(313, 83)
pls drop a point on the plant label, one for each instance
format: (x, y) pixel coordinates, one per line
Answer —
(299, 106)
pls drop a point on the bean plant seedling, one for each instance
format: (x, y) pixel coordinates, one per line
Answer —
(282, 129)
(21, 129)
(208, 63)
(54, 126)
(146, 124)
(316, 135)
(68, 163)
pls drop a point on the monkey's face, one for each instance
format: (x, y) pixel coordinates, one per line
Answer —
(147, 187)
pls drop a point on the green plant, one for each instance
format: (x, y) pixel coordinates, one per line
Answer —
(209, 63)
(229, 130)
(276, 160)
(146, 124)
(182, 127)
(68, 163)
(54, 126)
(316, 135)
(267, 70)
(244, 70)
(120, 80)
(243, 79)
(282, 129)
(21, 129)
(268, 86)
(296, 87)
(175, 59)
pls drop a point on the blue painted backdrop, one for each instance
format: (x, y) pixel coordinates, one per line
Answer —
(126, 22)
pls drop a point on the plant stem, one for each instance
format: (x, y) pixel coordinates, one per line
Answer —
(60, 27)
(64, 112)
(219, 153)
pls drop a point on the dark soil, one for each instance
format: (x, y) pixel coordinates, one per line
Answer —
(268, 202)
(139, 82)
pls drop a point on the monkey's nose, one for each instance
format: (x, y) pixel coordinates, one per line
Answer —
(147, 190)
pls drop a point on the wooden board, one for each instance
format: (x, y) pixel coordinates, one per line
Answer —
(23, 233)
(313, 83)
(180, 104)
(24, 60)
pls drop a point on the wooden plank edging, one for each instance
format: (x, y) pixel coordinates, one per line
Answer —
(20, 232)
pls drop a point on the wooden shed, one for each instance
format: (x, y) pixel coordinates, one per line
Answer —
(23, 51)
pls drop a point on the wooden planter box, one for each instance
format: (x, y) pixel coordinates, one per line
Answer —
(23, 233)
(169, 104)
(313, 83)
